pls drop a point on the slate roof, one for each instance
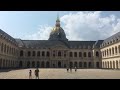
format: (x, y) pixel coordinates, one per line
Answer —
(115, 37)
(49, 43)
(98, 43)
(7, 36)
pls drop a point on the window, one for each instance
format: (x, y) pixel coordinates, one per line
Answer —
(2, 47)
(97, 54)
(38, 53)
(43, 53)
(59, 53)
(84, 54)
(5, 48)
(112, 50)
(33, 53)
(21, 53)
(115, 49)
(107, 52)
(80, 54)
(89, 54)
(48, 54)
(71, 54)
(75, 54)
(29, 53)
(119, 48)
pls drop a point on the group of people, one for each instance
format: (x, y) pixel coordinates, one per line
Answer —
(71, 69)
(36, 74)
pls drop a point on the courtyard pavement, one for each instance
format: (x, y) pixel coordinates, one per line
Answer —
(61, 74)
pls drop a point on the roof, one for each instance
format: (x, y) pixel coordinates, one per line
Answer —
(112, 39)
(7, 36)
(49, 43)
(98, 43)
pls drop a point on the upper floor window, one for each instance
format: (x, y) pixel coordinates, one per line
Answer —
(71, 54)
(84, 54)
(33, 53)
(89, 54)
(80, 54)
(29, 53)
(75, 54)
(21, 53)
(97, 53)
(48, 54)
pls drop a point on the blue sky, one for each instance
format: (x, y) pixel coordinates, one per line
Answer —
(38, 24)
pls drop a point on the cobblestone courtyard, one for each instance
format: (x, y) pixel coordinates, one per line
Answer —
(61, 74)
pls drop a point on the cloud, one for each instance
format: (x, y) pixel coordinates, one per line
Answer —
(83, 26)
(42, 34)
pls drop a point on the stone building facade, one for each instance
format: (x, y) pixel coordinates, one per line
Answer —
(58, 52)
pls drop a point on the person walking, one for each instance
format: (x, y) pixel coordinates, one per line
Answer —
(75, 68)
(30, 74)
(37, 73)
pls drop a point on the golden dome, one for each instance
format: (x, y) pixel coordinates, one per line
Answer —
(55, 30)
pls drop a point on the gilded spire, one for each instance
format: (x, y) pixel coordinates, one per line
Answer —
(58, 21)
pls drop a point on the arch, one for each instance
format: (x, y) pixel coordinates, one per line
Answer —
(85, 64)
(113, 64)
(59, 64)
(38, 64)
(90, 65)
(71, 64)
(89, 54)
(97, 65)
(108, 64)
(97, 53)
(75, 64)
(47, 64)
(42, 64)
(20, 64)
(28, 64)
(59, 53)
(102, 64)
(116, 64)
(84, 54)
(80, 64)
(33, 64)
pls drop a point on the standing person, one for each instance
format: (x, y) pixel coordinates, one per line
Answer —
(70, 69)
(37, 73)
(75, 68)
(67, 69)
(30, 74)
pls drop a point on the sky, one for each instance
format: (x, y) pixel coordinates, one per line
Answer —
(78, 25)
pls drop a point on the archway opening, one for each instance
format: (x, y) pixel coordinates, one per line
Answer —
(59, 64)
